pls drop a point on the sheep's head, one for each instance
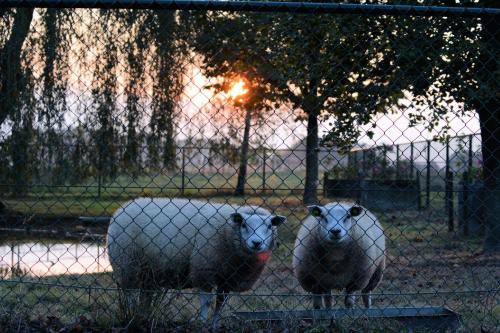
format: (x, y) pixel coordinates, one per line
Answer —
(257, 232)
(335, 220)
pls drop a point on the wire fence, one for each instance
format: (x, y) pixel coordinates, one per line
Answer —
(249, 166)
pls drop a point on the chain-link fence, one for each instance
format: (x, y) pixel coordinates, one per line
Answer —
(157, 157)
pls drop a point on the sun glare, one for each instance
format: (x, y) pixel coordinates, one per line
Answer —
(238, 89)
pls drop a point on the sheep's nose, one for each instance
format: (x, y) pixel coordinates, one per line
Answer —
(335, 232)
(256, 243)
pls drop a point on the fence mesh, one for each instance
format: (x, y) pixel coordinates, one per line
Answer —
(155, 161)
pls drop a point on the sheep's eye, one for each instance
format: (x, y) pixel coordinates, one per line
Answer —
(316, 212)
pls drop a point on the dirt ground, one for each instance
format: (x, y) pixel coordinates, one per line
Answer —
(426, 266)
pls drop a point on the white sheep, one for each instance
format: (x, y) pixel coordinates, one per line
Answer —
(178, 243)
(339, 246)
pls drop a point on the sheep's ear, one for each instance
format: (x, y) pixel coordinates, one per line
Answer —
(277, 220)
(314, 210)
(355, 211)
(237, 218)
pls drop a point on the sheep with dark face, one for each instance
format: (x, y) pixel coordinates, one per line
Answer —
(178, 243)
(339, 246)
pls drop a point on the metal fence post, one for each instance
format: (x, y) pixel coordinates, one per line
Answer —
(99, 177)
(449, 188)
(364, 162)
(419, 196)
(428, 177)
(469, 166)
(397, 162)
(412, 165)
(264, 170)
(465, 190)
(183, 170)
(449, 200)
(373, 161)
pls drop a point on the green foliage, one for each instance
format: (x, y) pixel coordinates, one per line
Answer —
(340, 172)
(373, 163)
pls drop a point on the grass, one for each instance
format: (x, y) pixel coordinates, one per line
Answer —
(281, 189)
(84, 199)
(426, 266)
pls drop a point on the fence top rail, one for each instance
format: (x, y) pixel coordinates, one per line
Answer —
(461, 136)
(261, 6)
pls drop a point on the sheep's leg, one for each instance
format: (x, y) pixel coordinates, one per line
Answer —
(317, 301)
(367, 299)
(205, 301)
(220, 302)
(328, 300)
(350, 299)
(145, 303)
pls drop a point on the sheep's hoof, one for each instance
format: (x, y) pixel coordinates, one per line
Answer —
(215, 324)
(367, 300)
(349, 301)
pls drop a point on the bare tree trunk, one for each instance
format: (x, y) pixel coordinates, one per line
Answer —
(242, 173)
(312, 143)
(10, 62)
(490, 140)
(489, 117)
(169, 151)
(169, 83)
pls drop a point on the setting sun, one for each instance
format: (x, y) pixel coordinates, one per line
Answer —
(238, 89)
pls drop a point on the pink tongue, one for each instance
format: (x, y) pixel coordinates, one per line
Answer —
(263, 256)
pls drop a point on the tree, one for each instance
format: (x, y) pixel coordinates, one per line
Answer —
(229, 59)
(318, 64)
(250, 100)
(167, 85)
(333, 68)
(79, 155)
(136, 45)
(440, 61)
(10, 62)
(55, 44)
(487, 104)
(104, 97)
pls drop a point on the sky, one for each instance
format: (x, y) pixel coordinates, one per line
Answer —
(390, 129)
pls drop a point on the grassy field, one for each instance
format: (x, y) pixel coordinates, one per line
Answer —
(427, 266)
(86, 199)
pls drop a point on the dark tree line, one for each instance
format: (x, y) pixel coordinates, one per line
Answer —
(345, 70)
(339, 69)
(117, 124)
